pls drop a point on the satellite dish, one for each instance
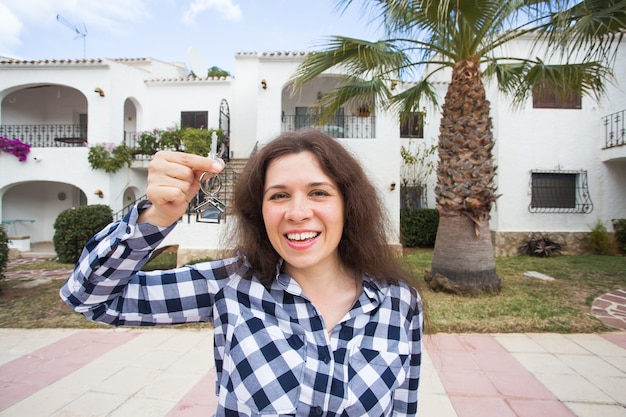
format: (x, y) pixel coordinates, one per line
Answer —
(196, 63)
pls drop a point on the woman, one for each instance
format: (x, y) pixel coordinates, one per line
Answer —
(312, 315)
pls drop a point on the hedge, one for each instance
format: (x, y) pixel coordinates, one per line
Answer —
(418, 228)
(4, 251)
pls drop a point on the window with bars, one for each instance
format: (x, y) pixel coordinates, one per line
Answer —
(559, 192)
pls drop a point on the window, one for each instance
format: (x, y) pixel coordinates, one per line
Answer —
(547, 97)
(559, 192)
(413, 195)
(82, 123)
(194, 119)
(413, 126)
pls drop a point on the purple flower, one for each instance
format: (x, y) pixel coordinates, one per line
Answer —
(15, 147)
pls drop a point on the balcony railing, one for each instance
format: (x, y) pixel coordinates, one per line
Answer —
(348, 127)
(614, 129)
(47, 136)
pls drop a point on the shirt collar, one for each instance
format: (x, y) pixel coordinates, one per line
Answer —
(371, 288)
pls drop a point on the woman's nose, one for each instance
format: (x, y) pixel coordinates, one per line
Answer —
(299, 209)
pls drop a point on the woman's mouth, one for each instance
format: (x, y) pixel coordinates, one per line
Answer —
(301, 237)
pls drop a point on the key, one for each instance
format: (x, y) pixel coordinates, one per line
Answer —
(210, 186)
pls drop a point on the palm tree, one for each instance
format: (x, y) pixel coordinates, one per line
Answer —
(467, 38)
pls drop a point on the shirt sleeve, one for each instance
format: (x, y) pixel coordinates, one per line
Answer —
(108, 286)
(405, 396)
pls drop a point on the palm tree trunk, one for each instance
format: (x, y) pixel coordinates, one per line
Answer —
(463, 263)
(463, 259)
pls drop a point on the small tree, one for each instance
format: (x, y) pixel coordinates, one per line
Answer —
(417, 165)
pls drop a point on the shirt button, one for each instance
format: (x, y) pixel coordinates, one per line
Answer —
(318, 411)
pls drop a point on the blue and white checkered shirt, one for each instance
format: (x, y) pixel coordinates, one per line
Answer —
(273, 355)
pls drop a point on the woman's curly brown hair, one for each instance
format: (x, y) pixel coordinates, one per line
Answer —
(363, 246)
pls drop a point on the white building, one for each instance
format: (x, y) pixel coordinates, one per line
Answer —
(58, 105)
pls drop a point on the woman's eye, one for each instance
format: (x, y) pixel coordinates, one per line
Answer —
(319, 193)
(278, 196)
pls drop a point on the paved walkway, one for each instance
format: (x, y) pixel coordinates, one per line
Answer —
(169, 372)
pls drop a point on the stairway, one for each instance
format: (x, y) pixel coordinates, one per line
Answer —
(229, 179)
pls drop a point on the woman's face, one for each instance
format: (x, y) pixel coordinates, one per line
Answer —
(303, 211)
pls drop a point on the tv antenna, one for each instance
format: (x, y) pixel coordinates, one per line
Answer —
(81, 32)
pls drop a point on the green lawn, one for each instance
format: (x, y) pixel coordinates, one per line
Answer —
(523, 305)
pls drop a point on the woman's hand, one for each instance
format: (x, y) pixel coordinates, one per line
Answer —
(173, 181)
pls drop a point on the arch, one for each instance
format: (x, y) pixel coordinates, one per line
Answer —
(37, 113)
(31, 207)
(132, 115)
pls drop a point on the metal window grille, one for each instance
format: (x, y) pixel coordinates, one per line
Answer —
(559, 192)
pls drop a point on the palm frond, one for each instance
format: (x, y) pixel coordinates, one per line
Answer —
(351, 91)
(355, 56)
(594, 27)
(414, 98)
(520, 80)
(585, 78)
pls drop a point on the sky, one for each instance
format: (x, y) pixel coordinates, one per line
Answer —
(166, 29)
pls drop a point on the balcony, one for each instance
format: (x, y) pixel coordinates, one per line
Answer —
(614, 137)
(340, 127)
(47, 136)
(614, 129)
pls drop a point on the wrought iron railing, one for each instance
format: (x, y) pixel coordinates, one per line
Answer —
(130, 139)
(614, 129)
(47, 136)
(348, 127)
(120, 214)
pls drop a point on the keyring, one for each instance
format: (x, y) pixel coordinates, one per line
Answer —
(210, 186)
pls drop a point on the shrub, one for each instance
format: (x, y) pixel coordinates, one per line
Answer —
(418, 228)
(74, 227)
(598, 240)
(147, 143)
(619, 225)
(4, 251)
(108, 157)
(540, 245)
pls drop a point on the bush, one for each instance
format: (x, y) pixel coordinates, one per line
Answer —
(418, 228)
(598, 240)
(4, 251)
(109, 157)
(540, 245)
(619, 225)
(74, 227)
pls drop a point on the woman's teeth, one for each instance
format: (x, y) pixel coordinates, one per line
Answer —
(302, 236)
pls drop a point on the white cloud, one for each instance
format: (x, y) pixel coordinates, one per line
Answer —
(226, 9)
(92, 13)
(10, 27)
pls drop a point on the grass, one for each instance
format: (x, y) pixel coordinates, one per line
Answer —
(523, 305)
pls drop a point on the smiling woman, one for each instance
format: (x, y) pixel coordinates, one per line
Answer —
(312, 293)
